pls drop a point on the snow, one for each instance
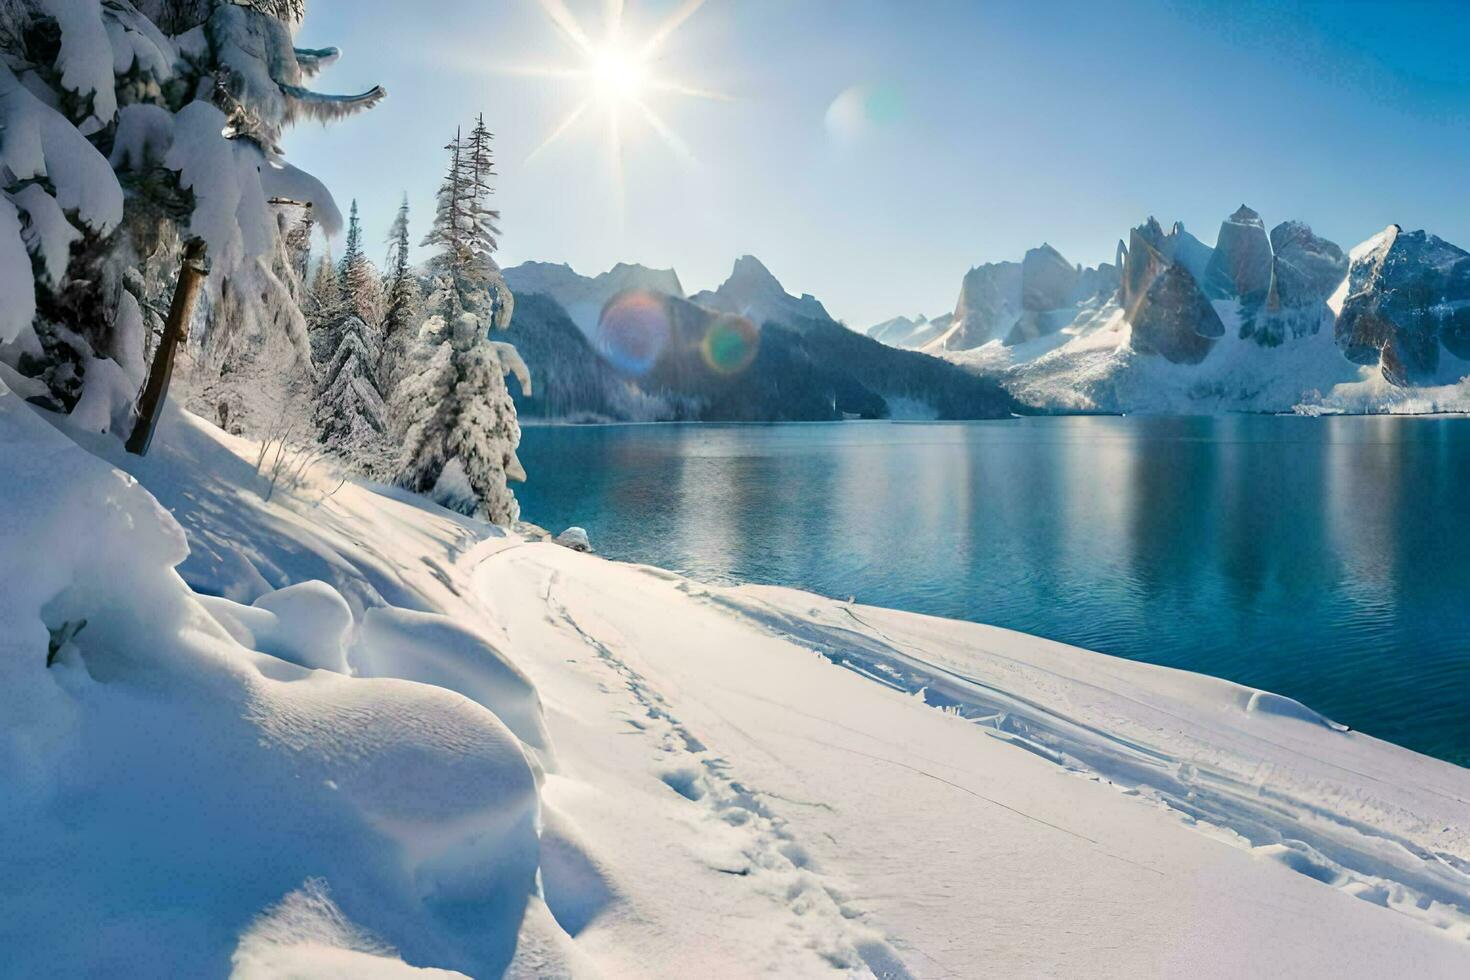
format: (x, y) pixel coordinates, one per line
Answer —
(1091, 366)
(280, 179)
(86, 56)
(47, 233)
(107, 398)
(972, 801)
(349, 733)
(144, 133)
(40, 142)
(435, 649)
(17, 285)
(230, 212)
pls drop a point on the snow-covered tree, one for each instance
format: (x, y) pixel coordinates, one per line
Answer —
(325, 308)
(130, 129)
(361, 286)
(404, 305)
(351, 416)
(452, 411)
(462, 439)
(465, 234)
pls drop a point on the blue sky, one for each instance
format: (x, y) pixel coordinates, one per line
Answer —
(971, 132)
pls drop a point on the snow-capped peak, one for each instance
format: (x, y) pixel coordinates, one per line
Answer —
(752, 291)
(1245, 216)
(584, 297)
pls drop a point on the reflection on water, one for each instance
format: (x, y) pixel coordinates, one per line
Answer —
(1322, 558)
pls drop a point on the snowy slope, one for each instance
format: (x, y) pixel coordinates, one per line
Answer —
(515, 758)
(1092, 366)
(990, 803)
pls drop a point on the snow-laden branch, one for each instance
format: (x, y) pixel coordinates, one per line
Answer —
(313, 60)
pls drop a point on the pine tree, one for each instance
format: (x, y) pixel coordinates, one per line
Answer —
(404, 302)
(352, 253)
(484, 221)
(451, 221)
(362, 289)
(453, 414)
(351, 417)
(135, 139)
(325, 308)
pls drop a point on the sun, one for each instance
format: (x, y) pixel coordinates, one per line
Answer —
(617, 73)
(616, 78)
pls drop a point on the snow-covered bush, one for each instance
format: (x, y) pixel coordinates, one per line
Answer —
(129, 127)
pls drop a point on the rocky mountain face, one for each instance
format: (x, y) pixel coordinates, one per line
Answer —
(1261, 321)
(1240, 266)
(1049, 294)
(989, 302)
(1321, 262)
(1408, 296)
(1305, 271)
(1169, 314)
(747, 351)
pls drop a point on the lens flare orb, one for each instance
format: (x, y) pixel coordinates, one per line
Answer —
(633, 331)
(730, 344)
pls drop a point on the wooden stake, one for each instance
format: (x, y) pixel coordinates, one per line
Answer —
(175, 332)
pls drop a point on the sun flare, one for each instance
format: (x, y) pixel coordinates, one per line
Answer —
(616, 73)
(616, 76)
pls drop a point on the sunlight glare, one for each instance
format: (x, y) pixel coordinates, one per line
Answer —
(616, 74)
(620, 75)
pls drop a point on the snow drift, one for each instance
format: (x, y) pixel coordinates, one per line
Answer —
(167, 785)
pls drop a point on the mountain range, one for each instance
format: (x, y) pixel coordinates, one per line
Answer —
(1262, 321)
(629, 345)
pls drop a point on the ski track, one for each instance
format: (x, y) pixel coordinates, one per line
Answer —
(776, 863)
(1218, 791)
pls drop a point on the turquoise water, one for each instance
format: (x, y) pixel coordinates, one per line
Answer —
(1325, 559)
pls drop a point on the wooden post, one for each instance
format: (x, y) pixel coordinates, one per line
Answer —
(175, 331)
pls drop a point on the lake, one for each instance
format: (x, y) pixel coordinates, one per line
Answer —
(1326, 559)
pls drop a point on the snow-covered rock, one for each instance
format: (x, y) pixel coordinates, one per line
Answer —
(434, 649)
(574, 538)
(902, 331)
(1408, 295)
(305, 624)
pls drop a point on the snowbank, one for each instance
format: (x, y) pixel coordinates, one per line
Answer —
(166, 785)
